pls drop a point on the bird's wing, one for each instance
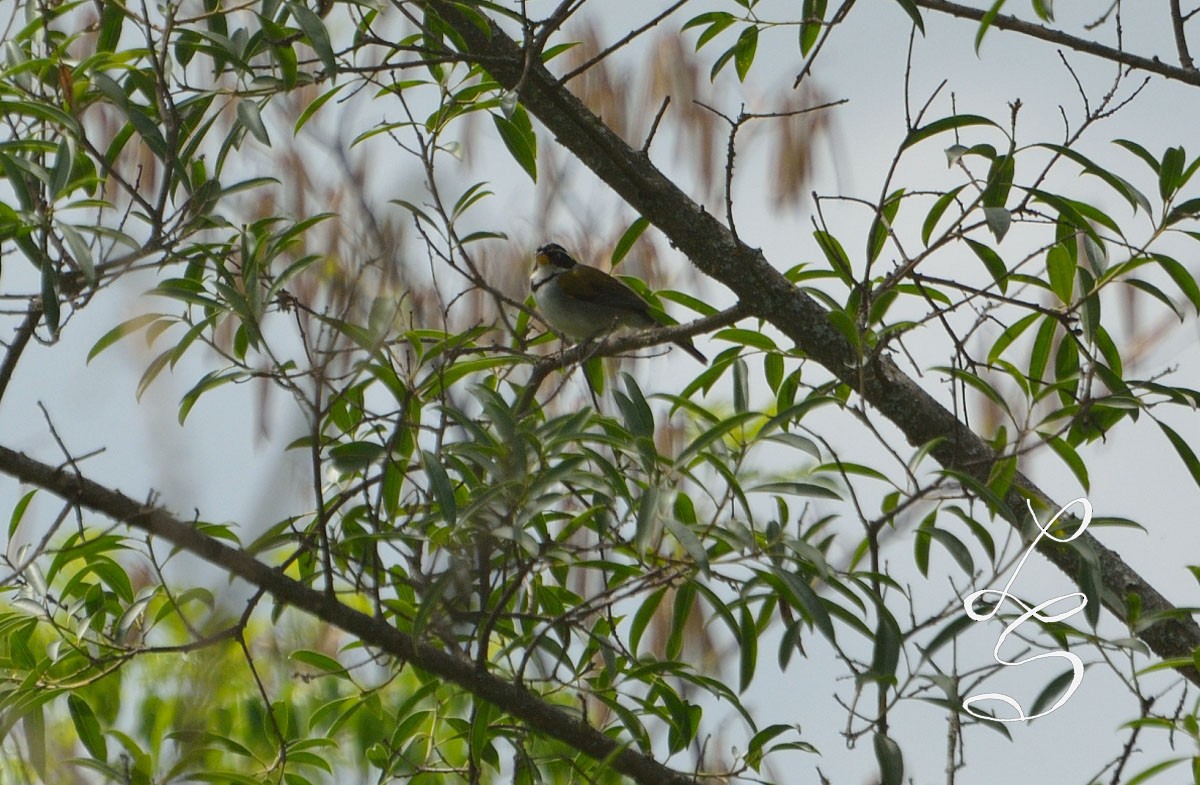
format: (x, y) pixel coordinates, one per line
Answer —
(582, 283)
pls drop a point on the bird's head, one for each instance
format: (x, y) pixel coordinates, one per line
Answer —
(553, 256)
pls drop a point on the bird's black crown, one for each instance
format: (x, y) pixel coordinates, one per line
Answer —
(555, 254)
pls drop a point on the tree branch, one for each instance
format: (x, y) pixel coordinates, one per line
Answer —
(1005, 22)
(17, 346)
(715, 251)
(1181, 45)
(551, 720)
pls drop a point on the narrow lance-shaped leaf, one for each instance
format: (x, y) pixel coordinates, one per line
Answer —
(986, 22)
(520, 140)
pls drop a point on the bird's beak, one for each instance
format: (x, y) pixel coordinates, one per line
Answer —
(542, 259)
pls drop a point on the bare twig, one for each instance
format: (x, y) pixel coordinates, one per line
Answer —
(624, 343)
(1005, 22)
(662, 110)
(632, 35)
(17, 345)
(1185, 57)
(838, 17)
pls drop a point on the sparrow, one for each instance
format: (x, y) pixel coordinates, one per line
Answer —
(583, 302)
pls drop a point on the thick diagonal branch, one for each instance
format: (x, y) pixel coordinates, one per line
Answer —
(539, 715)
(764, 290)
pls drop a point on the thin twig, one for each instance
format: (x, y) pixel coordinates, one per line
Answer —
(662, 110)
(1041, 32)
(838, 17)
(632, 35)
(19, 342)
(1185, 57)
(616, 345)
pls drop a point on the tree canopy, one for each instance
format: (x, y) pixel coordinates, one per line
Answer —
(500, 557)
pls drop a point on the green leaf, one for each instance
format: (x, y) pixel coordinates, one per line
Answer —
(648, 523)
(796, 489)
(1079, 214)
(642, 617)
(992, 261)
(1182, 278)
(999, 181)
(1156, 293)
(681, 610)
(112, 16)
(974, 486)
(1040, 354)
(140, 117)
(1154, 770)
(935, 212)
(1060, 268)
(1140, 152)
(1011, 334)
(51, 308)
(1089, 306)
(1184, 450)
(18, 182)
(635, 411)
(19, 512)
(891, 760)
(952, 123)
(1127, 191)
(750, 338)
(1170, 173)
(954, 546)
(315, 107)
(87, 727)
(593, 371)
(33, 723)
(836, 255)
(123, 329)
(714, 433)
(998, 219)
(80, 250)
(60, 173)
(1071, 458)
(760, 739)
(1051, 692)
(250, 116)
(441, 486)
(984, 24)
(922, 541)
(882, 224)
(1186, 209)
(748, 648)
(743, 51)
(520, 140)
(210, 381)
(914, 13)
(886, 652)
(317, 35)
(688, 540)
(812, 18)
(1066, 375)
(713, 21)
(800, 590)
(628, 238)
(952, 629)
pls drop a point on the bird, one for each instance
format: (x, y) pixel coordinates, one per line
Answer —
(584, 302)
